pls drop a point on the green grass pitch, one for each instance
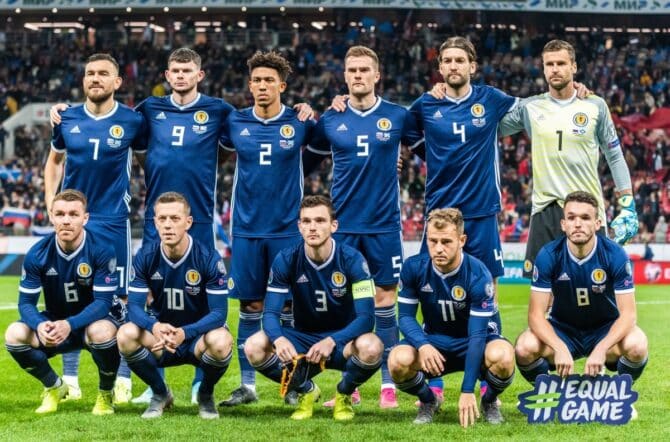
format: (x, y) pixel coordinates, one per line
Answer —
(268, 419)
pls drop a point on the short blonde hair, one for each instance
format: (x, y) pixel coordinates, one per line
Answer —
(439, 218)
(362, 51)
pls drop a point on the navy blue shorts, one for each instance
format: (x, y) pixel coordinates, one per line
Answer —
(454, 351)
(580, 342)
(483, 243)
(303, 341)
(382, 251)
(251, 263)
(185, 354)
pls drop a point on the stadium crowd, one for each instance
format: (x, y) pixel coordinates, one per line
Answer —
(632, 75)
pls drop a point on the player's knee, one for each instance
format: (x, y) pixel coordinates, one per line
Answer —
(385, 296)
(219, 343)
(500, 358)
(636, 346)
(100, 331)
(128, 337)
(17, 333)
(369, 348)
(255, 347)
(400, 360)
(527, 347)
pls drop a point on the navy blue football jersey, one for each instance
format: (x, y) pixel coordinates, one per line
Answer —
(182, 151)
(585, 289)
(447, 300)
(179, 289)
(366, 146)
(323, 294)
(99, 153)
(70, 282)
(268, 184)
(461, 149)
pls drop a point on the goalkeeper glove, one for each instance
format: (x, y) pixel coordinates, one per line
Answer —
(625, 225)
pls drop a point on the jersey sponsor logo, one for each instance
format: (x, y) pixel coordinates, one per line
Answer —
(75, 130)
(598, 276)
(580, 119)
(427, 288)
(338, 279)
(201, 117)
(384, 124)
(50, 272)
(303, 279)
(458, 293)
(245, 132)
(477, 110)
(116, 132)
(111, 265)
(342, 128)
(84, 270)
(193, 277)
(287, 131)
(156, 276)
(161, 116)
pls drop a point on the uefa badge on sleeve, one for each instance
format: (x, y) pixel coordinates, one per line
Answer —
(579, 399)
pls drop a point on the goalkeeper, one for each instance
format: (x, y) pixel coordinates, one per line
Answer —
(333, 308)
(567, 135)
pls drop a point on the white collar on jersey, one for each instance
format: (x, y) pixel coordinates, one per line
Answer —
(174, 265)
(326, 262)
(184, 106)
(459, 100)
(452, 273)
(69, 257)
(566, 101)
(367, 112)
(587, 257)
(101, 117)
(269, 120)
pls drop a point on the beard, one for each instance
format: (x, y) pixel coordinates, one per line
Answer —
(559, 86)
(99, 98)
(456, 82)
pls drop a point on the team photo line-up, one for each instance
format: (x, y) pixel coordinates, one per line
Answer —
(322, 277)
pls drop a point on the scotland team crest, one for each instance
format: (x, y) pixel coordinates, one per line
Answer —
(193, 277)
(598, 276)
(338, 279)
(287, 131)
(84, 270)
(116, 132)
(384, 124)
(201, 117)
(458, 293)
(580, 119)
(478, 111)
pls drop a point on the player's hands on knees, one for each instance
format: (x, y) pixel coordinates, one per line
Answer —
(305, 111)
(439, 91)
(284, 349)
(175, 338)
(44, 330)
(161, 332)
(54, 113)
(468, 411)
(60, 331)
(321, 350)
(431, 360)
(339, 103)
(595, 362)
(564, 362)
(582, 90)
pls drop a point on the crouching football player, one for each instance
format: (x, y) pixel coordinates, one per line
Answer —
(456, 295)
(593, 313)
(77, 273)
(187, 282)
(333, 308)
